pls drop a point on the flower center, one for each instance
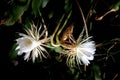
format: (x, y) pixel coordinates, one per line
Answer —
(28, 42)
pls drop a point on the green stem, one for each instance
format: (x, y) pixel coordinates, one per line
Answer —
(57, 36)
(84, 21)
(44, 25)
(53, 35)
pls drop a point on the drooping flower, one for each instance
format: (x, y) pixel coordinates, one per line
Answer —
(31, 44)
(81, 53)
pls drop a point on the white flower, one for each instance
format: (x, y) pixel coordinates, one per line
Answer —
(30, 45)
(82, 52)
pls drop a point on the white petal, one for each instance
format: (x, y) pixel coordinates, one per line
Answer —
(34, 54)
(18, 47)
(84, 51)
(24, 35)
(85, 60)
(26, 44)
(20, 53)
(27, 54)
(29, 43)
(90, 57)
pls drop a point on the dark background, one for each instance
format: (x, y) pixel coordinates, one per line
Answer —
(104, 30)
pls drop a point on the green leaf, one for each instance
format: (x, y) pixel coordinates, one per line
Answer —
(97, 72)
(91, 24)
(58, 49)
(68, 5)
(76, 76)
(116, 5)
(16, 13)
(13, 52)
(28, 23)
(44, 3)
(50, 15)
(36, 4)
